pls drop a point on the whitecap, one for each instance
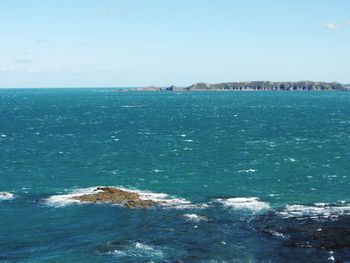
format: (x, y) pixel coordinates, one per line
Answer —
(143, 246)
(188, 205)
(147, 250)
(245, 203)
(140, 250)
(6, 196)
(278, 234)
(247, 171)
(131, 106)
(195, 217)
(318, 210)
(118, 252)
(331, 257)
(165, 198)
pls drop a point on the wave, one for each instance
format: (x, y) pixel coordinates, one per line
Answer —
(140, 250)
(6, 196)
(247, 171)
(131, 106)
(245, 203)
(66, 199)
(187, 205)
(195, 217)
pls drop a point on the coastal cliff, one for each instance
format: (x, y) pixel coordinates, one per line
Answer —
(255, 86)
(267, 85)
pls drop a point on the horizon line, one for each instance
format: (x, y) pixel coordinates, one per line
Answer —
(158, 86)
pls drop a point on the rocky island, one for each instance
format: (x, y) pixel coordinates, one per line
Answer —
(117, 196)
(253, 86)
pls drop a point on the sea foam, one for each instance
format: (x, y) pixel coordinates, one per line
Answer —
(158, 197)
(66, 199)
(195, 217)
(245, 203)
(140, 250)
(6, 196)
(318, 210)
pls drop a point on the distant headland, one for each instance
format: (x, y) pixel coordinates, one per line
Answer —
(252, 86)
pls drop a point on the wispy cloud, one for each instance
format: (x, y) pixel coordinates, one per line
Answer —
(333, 25)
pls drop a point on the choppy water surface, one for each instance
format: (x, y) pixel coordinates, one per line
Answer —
(255, 176)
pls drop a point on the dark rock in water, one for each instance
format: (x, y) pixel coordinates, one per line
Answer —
(325, 234)
(115, 195)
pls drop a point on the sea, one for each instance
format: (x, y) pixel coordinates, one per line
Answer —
(246, 176)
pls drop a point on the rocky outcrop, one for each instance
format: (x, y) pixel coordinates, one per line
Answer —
(118, 196)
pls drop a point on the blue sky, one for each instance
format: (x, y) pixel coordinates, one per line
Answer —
(94, 43)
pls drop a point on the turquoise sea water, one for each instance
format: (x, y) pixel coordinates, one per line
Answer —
(228, 158)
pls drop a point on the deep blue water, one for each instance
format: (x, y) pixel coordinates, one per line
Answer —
(288, 150)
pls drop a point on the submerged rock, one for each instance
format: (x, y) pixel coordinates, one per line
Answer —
(118, 196)
(321, 233)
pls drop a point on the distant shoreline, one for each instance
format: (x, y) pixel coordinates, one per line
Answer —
(225, 86)
(250, 86)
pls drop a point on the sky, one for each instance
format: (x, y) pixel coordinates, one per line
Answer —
(137, 43)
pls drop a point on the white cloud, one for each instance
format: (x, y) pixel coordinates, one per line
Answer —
(333, 25)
